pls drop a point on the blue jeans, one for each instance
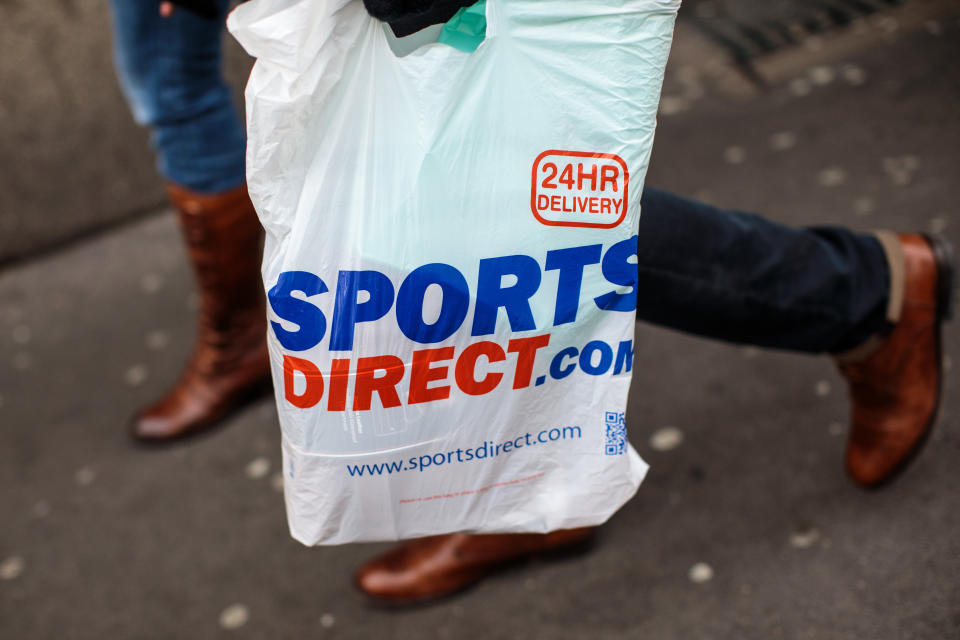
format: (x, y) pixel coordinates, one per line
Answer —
(723, 274)
(170, 72)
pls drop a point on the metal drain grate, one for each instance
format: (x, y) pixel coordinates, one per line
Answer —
(751, 28)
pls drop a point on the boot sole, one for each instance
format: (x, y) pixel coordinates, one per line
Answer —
(945, 259)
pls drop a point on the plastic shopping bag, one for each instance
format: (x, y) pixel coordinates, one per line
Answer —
(451, 261)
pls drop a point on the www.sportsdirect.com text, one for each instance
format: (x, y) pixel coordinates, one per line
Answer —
(462, 455)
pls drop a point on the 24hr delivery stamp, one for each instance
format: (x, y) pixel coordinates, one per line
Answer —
(579, 189)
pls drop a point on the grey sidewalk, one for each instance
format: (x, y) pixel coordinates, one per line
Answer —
(100, 539)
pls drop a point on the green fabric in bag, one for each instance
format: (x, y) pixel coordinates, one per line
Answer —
(467, 28)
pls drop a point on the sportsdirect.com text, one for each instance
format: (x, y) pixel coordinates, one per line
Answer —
(485, 451)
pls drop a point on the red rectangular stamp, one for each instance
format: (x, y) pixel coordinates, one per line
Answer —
(579, 189)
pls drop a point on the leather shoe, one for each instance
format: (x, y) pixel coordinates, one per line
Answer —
(229, 364)
(895, 391)
(430, 568)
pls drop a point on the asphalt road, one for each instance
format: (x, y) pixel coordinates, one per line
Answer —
(744, 528)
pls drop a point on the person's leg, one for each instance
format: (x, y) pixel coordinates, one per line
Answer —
(875, 300)
(742, 278)
(170, 71)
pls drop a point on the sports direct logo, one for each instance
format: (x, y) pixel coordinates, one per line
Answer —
(577, 189)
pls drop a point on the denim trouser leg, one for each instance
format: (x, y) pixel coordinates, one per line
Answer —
(738, 277)
(170, 71)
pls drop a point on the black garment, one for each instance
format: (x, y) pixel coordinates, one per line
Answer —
(741, 278)
(409, 16)
(208, 9)
(405, 16)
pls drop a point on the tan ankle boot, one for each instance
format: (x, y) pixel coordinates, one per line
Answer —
(229, 364)
(431, 568)
(895, 383)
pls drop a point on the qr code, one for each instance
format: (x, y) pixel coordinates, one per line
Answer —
(616, 440)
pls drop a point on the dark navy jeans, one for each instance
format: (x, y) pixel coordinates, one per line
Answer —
(723, 274)
(742, 278)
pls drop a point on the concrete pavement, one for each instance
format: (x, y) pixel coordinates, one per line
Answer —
(745, 527)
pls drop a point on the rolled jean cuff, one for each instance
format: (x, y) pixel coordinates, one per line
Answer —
(893, 251)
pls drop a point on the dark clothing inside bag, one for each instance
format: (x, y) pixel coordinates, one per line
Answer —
(409, 16)
(405, 16)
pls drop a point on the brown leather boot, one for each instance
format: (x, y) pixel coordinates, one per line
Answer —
(229, 364)
(434, 567)
(895, 383)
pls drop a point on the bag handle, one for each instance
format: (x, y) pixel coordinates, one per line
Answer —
(292, 33)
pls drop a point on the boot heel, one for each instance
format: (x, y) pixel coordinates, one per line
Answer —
(945, 256)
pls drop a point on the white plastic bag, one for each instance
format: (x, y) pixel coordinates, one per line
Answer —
(450, 261)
